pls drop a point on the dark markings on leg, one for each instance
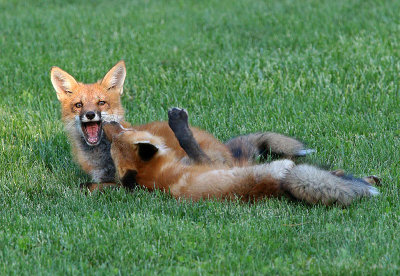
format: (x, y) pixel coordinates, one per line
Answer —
(178, 122)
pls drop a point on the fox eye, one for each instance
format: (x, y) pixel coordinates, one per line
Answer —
(78, 105)
(102, 103)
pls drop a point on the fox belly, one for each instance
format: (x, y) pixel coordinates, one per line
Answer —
(218, 152)
(245, 183)
(251, 183)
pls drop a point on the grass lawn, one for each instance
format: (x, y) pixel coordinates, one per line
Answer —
(326, 72)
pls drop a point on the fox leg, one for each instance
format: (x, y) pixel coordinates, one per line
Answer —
(178, 122)
(372, 179)
(249, 147)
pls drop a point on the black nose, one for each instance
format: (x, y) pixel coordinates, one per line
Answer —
(90, 115)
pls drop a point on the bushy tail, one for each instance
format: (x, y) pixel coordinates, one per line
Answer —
(249, 147)
(313, 185)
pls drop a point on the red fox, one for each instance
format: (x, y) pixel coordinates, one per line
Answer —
(85, 107)
(144, 159)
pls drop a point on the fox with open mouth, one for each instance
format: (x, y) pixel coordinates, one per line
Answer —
(86, 106)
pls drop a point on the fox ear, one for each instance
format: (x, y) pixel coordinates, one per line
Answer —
(111, 129)
(62, 82)
(115, 78)
(146, 150)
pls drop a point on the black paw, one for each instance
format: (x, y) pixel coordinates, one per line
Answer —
(177, 113)
(373, 180)
(177, 118)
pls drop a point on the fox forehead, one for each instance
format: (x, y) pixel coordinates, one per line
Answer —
(91, 94)
(88, 92)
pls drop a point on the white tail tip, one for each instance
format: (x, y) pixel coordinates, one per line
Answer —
(373, 191)
(305, 152)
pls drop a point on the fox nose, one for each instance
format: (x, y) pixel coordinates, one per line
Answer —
(90, 115)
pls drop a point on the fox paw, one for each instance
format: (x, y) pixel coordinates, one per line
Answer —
(279, 169)
(373, 180)
(178, 119)
(177, 115)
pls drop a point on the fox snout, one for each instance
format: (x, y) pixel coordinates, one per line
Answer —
(90, 116)
(91, 127)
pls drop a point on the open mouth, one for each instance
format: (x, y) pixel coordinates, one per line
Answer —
(92, 132)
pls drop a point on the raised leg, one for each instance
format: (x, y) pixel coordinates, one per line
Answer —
(178, 122)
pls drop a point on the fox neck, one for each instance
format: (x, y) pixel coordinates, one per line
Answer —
(99, 157)
(95, 160)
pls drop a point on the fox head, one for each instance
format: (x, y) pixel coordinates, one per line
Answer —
(85, 106)
(133, 151)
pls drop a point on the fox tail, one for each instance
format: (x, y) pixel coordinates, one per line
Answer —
(249, 147)
(313, 185)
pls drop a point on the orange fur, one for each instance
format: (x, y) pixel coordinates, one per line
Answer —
(165, 171)
(144, 159)
(217, 151)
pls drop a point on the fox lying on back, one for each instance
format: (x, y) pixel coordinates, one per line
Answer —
(143, 159)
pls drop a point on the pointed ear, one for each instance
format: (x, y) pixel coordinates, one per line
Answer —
(62, 82)
(146, 150)
(115, 78)
(111, 129)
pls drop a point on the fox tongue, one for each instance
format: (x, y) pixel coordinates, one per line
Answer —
(92, 130)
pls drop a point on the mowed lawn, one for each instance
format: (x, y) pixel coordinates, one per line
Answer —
(326, 72)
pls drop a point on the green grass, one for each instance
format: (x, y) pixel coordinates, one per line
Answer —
(326, 72)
